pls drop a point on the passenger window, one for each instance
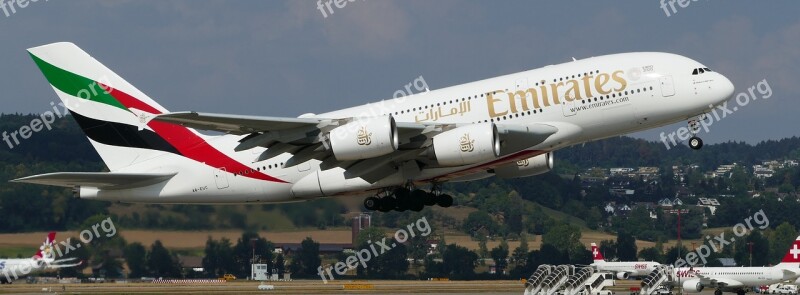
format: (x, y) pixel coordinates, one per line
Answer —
(694, 72)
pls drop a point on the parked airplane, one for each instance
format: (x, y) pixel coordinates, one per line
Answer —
(506, 126)
(740, 279)
(14, 268)
(622, 270)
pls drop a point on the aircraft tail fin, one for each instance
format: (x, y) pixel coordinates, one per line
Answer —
(113, 114)
(792, 257)
(596, 255)
(46, 249)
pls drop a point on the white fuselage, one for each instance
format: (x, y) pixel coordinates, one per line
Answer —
(632, 268)
(15, 268)
(586, 100)
(734, 278)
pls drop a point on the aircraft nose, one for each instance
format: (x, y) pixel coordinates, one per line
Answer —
(725, 89)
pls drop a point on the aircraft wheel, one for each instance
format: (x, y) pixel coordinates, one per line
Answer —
(387, 204)
(445, 200)
(371, 203)
(695, 143)
(717, 292)
(403, 202)
(429, 199)
(417, 200)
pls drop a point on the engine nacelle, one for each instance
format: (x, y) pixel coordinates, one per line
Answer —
(364, 138)
(466, 145)
(623, 275)
(527, 167)
(692, 286)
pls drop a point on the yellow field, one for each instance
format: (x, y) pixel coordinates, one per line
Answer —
(26, 242)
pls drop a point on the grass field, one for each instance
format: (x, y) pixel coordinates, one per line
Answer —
(25, 244)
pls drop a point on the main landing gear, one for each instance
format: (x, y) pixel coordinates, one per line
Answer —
(402, 199)
(695, 142)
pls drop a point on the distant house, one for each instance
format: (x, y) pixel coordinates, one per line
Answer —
(191, 263)
(677, 202)
(665, 202)
(610, 208)
(710, 203)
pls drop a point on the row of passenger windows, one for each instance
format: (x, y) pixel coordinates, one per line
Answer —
(471, 97)
(258, 169)
(615, 95)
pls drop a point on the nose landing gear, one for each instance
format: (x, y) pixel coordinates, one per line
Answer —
(695, 142)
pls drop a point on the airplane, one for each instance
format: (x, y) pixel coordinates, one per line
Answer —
(622, 270)
(740, 279)
(15, 268)
(506, 126)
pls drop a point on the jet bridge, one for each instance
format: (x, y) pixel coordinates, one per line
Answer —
(577, 282)
(534, 283)
(654, 281)
(556, 279)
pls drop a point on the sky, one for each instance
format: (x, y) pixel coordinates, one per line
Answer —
(286, 58)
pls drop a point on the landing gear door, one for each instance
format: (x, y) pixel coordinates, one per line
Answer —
(221, 178)
(667, 86)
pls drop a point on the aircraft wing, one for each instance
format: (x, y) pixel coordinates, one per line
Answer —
(718, 282)
(101, 180)
(237, 124)
(304, 138)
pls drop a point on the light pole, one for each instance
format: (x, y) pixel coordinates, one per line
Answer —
(253, 259)
(750, 246)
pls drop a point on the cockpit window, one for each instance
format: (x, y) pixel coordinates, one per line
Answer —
(699, 71)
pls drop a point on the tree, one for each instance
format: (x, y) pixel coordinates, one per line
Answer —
(280, 265)
(161, 263)
(136, 257)
(219, 258)
(608, 248)
(565, 236)
(500, 256)
(783, 236)
(248, 245)
(626, 247)
(306, 261)
(458, 262)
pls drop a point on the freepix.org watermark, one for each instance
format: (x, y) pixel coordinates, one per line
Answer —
(717, 114)
(9, 7)
(670, 7)
(423, 228)
(52, 252)
(326, 6)
(36, 125)
(416, 86)
(47, 118)
(759, 219)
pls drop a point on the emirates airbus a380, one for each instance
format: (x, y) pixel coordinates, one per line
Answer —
(505, 126)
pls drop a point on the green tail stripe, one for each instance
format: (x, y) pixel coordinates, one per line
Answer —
(75, 85)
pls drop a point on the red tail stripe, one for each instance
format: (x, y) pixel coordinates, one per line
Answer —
(186, 142)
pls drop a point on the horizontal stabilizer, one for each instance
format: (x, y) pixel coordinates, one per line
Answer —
(101, 180)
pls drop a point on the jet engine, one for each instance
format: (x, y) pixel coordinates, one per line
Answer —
(623, 275)
(527, 167)
(466, 145)
(692, 286)
(364, 138)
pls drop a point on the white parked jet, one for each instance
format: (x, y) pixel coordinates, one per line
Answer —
(740, 279)
(624, 269)
(506, 126)
(15, 268)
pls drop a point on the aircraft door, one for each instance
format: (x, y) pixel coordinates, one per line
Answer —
(221, 178)
(567, 107)
(667, 86)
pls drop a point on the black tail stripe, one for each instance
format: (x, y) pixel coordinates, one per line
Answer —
(122, 135)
